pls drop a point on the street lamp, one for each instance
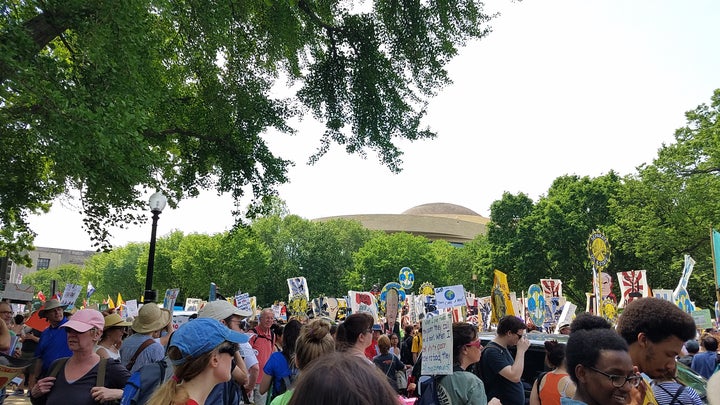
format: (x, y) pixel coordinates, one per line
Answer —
(157, 204)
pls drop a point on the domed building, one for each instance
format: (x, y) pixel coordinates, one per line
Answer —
(436, 221)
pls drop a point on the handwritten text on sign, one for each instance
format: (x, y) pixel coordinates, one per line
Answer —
(437, 350)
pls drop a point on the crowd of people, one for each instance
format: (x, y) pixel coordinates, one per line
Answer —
(227, 357)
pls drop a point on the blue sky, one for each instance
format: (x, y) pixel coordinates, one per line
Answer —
(559, 87)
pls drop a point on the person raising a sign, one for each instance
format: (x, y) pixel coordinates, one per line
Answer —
(463, 387)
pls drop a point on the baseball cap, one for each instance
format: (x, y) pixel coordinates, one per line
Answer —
(84, 320)
(220, 310)
(377, 327)
(201, 336)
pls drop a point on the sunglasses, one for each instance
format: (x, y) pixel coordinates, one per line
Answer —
(475, 343)
(228, 349)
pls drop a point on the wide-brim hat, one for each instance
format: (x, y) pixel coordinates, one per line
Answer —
(151, 318)
(50, 304)
(115, 320)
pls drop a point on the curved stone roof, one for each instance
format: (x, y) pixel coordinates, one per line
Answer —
(450, 222)
(440, 209)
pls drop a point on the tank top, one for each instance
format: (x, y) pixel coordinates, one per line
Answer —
(549, 393)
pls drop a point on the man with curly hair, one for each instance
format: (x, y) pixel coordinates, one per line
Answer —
(655, 331)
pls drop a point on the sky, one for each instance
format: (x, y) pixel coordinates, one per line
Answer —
(559, 87)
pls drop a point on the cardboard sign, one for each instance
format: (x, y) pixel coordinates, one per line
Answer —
(437, 350)
(449, 297)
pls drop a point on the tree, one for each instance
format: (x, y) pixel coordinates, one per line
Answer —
(668, 209)
(379, 261)
(116, 271)
(114, 101)
(62, 275)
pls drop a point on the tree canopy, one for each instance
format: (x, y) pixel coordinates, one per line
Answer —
(115, 101)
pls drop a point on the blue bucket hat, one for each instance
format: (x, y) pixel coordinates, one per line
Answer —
(201, 336)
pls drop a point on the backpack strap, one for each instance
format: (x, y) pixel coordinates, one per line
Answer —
(142, 347)
(102, 367)
(539, 380)
(675, 398)
(59, 364)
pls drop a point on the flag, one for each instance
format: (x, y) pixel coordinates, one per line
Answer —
(57, 296)
(501, 303)
(41, 296)
(716, 260)
(119, 304)
(111, 304)
(90, 290)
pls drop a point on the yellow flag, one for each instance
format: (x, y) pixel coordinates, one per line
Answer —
(500, 297)
(120, 300)
(111, 304)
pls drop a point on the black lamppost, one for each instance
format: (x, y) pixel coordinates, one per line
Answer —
(157, 204)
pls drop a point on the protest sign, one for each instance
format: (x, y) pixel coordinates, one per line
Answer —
(170, 297)
(70, 295)
(437, 350)
(448, 297)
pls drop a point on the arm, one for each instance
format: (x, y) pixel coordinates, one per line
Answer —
(534, 397)
(4, 337)
(265, 383)
(514, 372)
(252, 377)
(103, 394)
(240, 373)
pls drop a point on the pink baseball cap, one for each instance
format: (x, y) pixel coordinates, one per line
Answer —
(84, 320)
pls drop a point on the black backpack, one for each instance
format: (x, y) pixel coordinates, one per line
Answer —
(406, 351)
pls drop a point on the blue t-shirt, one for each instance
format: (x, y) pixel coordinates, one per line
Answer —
(52, 346)
(277, 368)
(704, 363)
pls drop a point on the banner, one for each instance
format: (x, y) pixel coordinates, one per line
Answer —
(685, 277)
(363, 302)
(716, 258)
(633, 284)
(552, 287)
(501, 302)
(449, 297)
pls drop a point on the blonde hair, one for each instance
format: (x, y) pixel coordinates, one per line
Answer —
(314, 341)
(171, 392)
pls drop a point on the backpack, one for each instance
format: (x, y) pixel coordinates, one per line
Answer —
(406, 351)
(428, 391)
(143, 383)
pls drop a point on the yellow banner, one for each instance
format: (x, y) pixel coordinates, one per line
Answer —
(501, 303)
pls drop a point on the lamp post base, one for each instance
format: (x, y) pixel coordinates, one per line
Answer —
(150, 296)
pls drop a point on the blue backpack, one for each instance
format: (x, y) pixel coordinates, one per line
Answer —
(143, 383)
(428, 391)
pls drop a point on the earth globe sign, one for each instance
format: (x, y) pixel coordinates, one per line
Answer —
(449, 295)
(406, 278)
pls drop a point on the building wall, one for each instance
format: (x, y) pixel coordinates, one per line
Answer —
(50, 257)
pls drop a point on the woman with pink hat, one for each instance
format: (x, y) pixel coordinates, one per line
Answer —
(81, 379)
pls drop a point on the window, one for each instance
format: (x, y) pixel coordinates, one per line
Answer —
(43, 263)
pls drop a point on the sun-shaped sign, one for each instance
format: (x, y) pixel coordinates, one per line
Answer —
(406, 278)
(598, 249)
(427, 288)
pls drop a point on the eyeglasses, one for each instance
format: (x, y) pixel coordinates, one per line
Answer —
(520, 336)
(475, 343)
(619, 380)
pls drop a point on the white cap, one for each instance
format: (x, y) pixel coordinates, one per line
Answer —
(220, 310)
